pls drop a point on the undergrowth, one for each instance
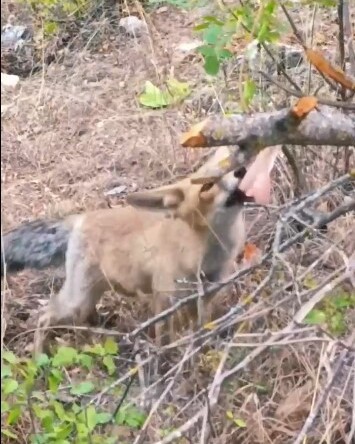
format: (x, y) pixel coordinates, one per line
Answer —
(54, 399)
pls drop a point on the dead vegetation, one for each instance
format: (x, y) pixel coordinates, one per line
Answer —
(259, 374)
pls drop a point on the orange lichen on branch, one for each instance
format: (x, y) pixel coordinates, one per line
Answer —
(194, 138)
(251, 254)
(303, 106)
(333, 72)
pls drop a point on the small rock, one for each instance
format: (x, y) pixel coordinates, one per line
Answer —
(13, 36)
(189, 46)
(115, 191)
(9, 79)
(291, 56)
(162, 9)
(133, 26)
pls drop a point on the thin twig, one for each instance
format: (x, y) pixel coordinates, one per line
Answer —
(351, 436)
(315, 9)
(341, 42)
(348, 31)
(141, 435)
(292, 92)
(318, 405)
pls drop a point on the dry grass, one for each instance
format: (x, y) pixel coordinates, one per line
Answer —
(77, 131)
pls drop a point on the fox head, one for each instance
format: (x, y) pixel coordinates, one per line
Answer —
(198, 203)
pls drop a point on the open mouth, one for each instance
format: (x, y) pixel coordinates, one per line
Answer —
(237, 197)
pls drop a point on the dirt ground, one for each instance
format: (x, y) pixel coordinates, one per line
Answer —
(76, 131)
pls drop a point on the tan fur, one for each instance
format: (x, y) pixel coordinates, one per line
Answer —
(148, 250)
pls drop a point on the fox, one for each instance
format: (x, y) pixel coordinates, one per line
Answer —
(162, 240)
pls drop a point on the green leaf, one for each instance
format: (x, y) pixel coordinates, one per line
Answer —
(85, 360)
(270, 7)
(152, 97)
(111, 347)
(42, 360)
(263, 33)
(83, 388)
(9, 434)
(65, 356)
(316, 317)
(96, 349)
(109, 364)
(212, 19)
(177, 90)
(103, 418)
(9, 386)
(82, 430)
(224, 54)
(9, 357)
(201, 27)
(240, 423)
(229, 414)
(54, 379)
(63, 432)
(249, 91)
(131, 416)
(212, 34)
(206, 50)
(14, 415)
(211, 65)
(174, 92)
(91, 417)
(136, 420)
(4, 407)
(5, 371)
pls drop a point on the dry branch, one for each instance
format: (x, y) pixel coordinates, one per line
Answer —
(320, 402)
(222, 376)
(321, 126)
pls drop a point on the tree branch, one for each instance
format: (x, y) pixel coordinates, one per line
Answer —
(251, 133)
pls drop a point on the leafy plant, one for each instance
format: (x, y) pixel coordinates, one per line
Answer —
(251, 21)
(175, 92)
(331, 313)
(38, 395)
(52, 13)
(216, 34)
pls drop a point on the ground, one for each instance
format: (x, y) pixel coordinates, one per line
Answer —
(76, 131)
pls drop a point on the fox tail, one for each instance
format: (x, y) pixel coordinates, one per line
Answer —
(38, 244)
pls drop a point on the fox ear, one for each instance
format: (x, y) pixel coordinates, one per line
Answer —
(164, 199)
(257, 183)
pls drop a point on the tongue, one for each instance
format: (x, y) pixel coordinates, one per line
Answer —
(257, 183)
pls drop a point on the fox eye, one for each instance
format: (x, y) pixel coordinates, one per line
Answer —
(206, 186)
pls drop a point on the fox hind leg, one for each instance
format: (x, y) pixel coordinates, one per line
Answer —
(76, 301)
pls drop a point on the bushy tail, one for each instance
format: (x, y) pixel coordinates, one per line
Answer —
(38, 244)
